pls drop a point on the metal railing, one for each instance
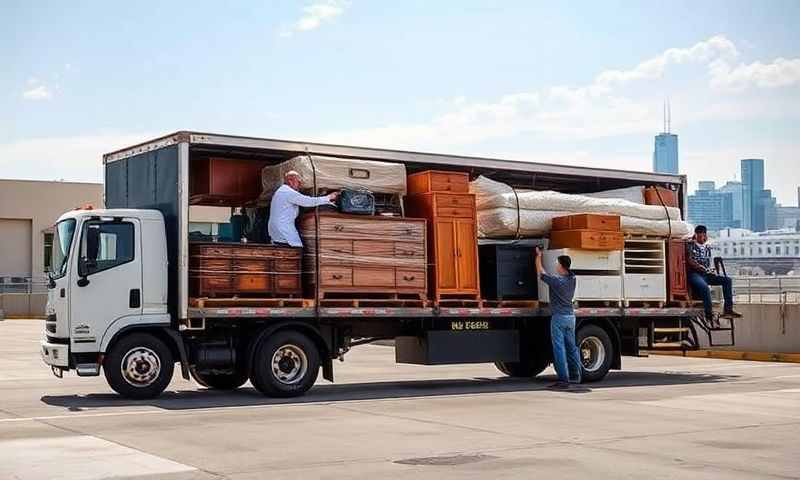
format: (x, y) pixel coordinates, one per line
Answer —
(764, 289)
(22, 295)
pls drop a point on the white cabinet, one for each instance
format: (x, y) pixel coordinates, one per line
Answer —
(644, 270)
(598, 276)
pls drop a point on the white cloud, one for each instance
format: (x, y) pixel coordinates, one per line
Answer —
(40, 92)
(314, 16)
(78, 158)
(780, 73)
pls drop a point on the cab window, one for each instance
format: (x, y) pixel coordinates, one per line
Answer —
(106, 245)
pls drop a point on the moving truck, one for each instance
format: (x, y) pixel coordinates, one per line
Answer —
(119, 289)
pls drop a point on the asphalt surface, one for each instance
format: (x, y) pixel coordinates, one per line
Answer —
(661, 417)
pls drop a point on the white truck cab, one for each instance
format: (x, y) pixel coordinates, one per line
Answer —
(109, 274)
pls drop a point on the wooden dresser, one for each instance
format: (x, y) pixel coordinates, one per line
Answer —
(233, 269)
(364, 255)
(442, 199)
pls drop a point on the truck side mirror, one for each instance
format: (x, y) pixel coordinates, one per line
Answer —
(88, 261)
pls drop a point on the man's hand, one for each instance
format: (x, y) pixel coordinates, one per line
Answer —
(333, 196)
(538, 251)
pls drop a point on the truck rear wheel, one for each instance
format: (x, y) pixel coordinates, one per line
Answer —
(285, 364)
(139, 366)
(529, 368)
(220, 381)
(597, 352)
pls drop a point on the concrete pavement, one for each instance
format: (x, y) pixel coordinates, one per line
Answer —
(661, 417)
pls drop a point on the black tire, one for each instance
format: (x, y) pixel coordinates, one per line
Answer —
(524, 369)
(146, 359)
(596, 351)
(220, 381)
(300, 353)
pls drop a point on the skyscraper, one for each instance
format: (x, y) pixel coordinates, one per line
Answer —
(753, 214)
(711, 207)
(735, 189)
(665, 154)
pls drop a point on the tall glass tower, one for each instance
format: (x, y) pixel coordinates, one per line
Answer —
(753, 211)
(665, 154)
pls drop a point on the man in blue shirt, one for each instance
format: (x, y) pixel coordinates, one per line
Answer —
(566, 357)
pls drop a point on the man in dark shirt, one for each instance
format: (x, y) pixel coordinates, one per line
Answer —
(701, 274)
(566, 357)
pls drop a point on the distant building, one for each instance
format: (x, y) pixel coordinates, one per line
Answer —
(735, 189)
(665, 155)
(710, 207)
(28, 210)
(753, 212)
(773, 251)
(789, 217)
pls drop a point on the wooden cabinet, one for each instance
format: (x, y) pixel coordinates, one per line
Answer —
(233, 269)
(438, 181)
(363, 255)
(677, 282)
(224, 181)
(587, 239)
(587, 221)
(452, 235)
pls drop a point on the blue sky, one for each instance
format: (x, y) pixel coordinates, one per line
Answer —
(576, 83)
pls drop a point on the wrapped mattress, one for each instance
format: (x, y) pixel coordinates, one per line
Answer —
(500, 217)
(333, 173)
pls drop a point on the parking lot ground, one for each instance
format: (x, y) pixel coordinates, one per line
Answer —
(660, 417)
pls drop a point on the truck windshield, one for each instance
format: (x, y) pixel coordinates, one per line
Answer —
(62, 240)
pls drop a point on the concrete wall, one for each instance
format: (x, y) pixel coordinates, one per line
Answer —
(773, 328)
(40, 204)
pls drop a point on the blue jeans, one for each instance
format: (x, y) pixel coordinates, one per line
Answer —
(566, 357)
(701, 281)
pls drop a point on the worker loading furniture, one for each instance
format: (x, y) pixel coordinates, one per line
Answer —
(702, 274)
(285, 208)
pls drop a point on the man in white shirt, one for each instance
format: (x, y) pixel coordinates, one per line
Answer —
(285, 207)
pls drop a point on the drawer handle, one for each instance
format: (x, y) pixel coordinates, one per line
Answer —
(406, 253)
(338, 228)
(408, 278)
(338, 276)
(520, 283)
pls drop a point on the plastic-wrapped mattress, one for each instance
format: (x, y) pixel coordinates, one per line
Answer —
(499, 217)
(333, 173)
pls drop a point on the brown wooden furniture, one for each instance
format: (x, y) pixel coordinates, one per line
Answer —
(438, 181)
(586, 239)
(587, 221)
(655, 195)
(452, 234)
(225, 181)
(232, 269)
(677, 281)
(364, 255)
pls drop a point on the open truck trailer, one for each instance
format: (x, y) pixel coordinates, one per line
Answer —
(133, 316)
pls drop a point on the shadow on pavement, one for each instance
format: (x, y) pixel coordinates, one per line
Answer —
(328, 393)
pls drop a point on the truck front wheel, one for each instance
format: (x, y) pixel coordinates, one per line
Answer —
(596, 351)
(285, 364)
(220, 381)
(139, 366)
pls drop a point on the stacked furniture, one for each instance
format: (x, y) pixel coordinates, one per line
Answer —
(443, 199)
(677, 281)
(644, 270)
(507, 271)
(598, 277)
(234, 269)
(587, 231)
(594, 244)
(360, 256)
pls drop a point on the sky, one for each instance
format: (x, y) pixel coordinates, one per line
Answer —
(578, 83)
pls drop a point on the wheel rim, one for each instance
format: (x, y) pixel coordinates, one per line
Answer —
(140, 367)
(593, 353)
(289, 364)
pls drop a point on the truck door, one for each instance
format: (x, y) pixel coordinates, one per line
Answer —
(106, 281)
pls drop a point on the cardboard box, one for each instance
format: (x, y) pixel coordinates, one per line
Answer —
(587, 221)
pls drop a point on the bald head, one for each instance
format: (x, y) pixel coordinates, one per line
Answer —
(293, 179)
